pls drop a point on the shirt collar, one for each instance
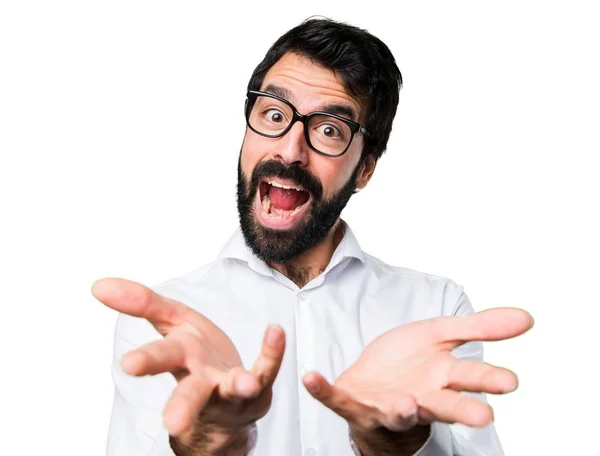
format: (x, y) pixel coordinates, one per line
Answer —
(237, 248)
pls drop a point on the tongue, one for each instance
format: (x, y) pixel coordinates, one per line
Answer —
(286, 199)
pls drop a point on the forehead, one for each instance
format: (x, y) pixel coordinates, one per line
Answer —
(307, 85)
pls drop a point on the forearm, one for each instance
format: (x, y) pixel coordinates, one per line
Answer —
(209, 441)
(383, 442)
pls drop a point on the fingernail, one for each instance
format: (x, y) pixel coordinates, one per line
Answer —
(273, 336)
(314, 387)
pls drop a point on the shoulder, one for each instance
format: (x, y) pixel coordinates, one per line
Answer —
(445, 295)
(407, 275)
(182, 287)
(189, 289)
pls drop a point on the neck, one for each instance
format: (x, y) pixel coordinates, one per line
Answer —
(312, 262)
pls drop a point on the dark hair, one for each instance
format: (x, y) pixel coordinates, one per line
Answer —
(363, 62)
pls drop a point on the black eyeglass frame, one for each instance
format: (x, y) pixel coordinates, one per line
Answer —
(304, 118)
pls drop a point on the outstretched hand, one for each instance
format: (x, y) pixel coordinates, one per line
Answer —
(408, 376)
(213, 387)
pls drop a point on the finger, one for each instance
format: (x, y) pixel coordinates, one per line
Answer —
(238, 384)
(360, 415)
(488, 325)
(450, 406)
(268, 363)
(165, 355)
(478, 377)
(137, 300)
(187, 401)
(403, 415)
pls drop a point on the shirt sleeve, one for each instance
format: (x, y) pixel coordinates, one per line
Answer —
(136, 423)
(458, 439)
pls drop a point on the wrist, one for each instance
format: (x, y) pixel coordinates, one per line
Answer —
(208, 439)
(382, 441)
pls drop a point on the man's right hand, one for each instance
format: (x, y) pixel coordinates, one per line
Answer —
(216, 399)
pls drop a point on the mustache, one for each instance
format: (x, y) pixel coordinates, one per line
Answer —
(300, 176)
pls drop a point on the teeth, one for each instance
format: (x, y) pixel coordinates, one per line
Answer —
(277, 184)
(297, 209)
(266, 203)
(276, 213)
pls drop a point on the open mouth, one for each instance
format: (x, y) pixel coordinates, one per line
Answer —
(282, 202)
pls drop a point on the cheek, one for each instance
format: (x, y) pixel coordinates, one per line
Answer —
(250, 154)
(335, 172)
(333, 175)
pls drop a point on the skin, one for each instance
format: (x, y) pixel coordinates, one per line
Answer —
(388, 396)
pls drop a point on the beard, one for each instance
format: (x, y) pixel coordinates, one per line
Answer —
(280, 246)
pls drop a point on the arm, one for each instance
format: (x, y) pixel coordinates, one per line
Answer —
(438, 438)
(384, 442)
(136, 423)
(180, 387)
(425, 382)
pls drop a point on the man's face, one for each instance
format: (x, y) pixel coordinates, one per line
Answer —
(289, 196)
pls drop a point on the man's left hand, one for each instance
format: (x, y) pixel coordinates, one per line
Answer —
(408, 376)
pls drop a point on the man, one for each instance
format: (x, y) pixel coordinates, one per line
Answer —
(379, 360)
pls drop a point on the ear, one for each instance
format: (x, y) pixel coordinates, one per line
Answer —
(367, 168)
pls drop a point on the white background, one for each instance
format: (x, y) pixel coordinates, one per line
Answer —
(120, 127)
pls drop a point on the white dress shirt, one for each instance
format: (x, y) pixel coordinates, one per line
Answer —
(327, 324)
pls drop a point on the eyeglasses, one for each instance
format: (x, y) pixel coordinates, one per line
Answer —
(272, 116)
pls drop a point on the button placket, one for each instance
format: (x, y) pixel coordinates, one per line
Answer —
(306, 348)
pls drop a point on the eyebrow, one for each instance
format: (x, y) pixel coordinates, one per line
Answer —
(340, 110)
(331, 108)
(279, 91)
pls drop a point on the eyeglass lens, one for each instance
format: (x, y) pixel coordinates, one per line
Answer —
(327, 134)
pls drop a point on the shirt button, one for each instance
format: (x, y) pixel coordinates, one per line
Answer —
(304, 369)
(310, 452)
(301, 296)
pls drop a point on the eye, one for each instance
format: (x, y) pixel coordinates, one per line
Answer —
(274, 115)
(330, 131)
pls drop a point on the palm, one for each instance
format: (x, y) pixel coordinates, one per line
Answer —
(409, 375)
(393, 362)
(215, 348)
(215, 352)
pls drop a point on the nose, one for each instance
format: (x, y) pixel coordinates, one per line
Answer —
(291, 148)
